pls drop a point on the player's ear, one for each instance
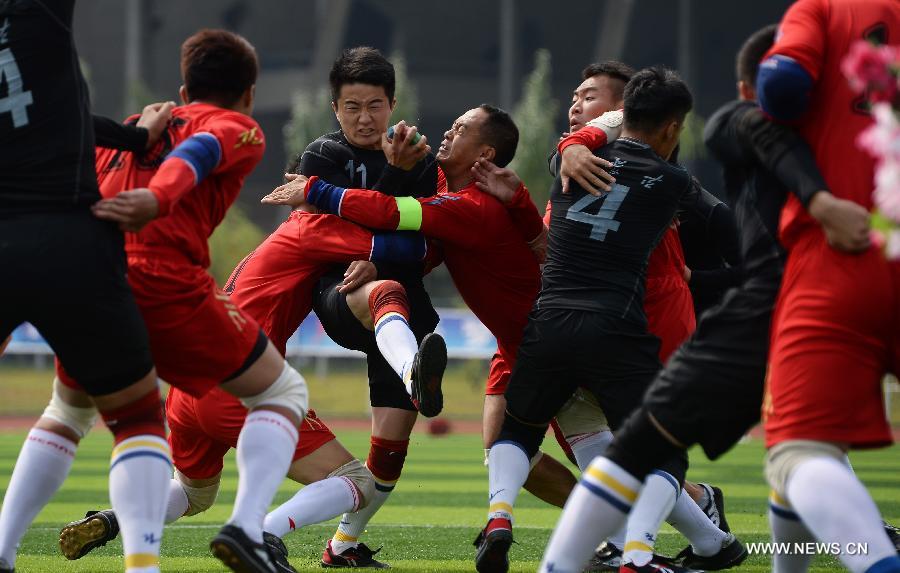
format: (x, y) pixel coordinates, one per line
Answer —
(746, 91)
(334, 108)
(182, 93)
(393, 104)
(249, 96)
(489, 153)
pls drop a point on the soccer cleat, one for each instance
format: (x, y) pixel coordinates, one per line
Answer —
(278, 552)
(241, 554)
(893, 534)
(732, 554)
(426, 374)
(493, 547)
(715, 507)
(608, 557)
(655, 566)
(79, 538)
(359, 556)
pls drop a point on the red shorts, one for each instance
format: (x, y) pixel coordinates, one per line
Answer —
(202, 430)
(498, 377)
(199, 338)
(670, 313)
(836, 332)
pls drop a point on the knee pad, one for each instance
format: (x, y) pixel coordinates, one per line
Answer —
(79, 420)
(529, 436)
(783, 458)
(361, 478)
(199, 498)
(386, 459)
(141, 417)
(581, 415)
(287, 391)
(389, 296)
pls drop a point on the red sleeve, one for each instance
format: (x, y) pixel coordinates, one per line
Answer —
(802, 35)
(589, 136)
(231, 145)
(525, 215)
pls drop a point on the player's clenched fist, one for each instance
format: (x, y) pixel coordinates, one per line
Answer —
(292, 193)
(132, 210)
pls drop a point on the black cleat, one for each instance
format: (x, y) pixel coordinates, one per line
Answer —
(241, 554)
(493, 550)
(893, 534)
(360, 556)
(732, 554)
(79, 538)
(426, 374)
(278, 552)
(715, 507)
(608, 557)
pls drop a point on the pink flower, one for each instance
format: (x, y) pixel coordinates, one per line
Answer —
(873, 69)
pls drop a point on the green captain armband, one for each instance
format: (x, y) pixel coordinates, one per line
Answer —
(410, 214)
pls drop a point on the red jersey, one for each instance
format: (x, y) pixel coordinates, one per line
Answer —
(487, 255)
(818, 34)
(274, 284)
(196, 172)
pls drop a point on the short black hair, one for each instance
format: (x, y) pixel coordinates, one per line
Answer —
(218, 65)
(612, 68)
(655, 96)
(500, 132)
(362, 65)
(753, 50)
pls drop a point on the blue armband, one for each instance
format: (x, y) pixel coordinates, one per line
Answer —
(201, 152)
(325, 196)
(399, 247)
(783, 87)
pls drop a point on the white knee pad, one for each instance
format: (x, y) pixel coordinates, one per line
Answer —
(288, 391)
(783, 458)
(361, 477)
(199, 498)
(581, 415)
(80, 420)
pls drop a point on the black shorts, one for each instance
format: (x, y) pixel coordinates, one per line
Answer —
(385, 387)
(564, 349)
(65, 273)
(711, 390)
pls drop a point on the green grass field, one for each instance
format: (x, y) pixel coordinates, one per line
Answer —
(431, 519)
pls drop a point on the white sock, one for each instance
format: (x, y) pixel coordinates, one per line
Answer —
(586, 447)
(317, 502)
(139, 476)
(178, 502)
(836, 508)
(264, 451)
(788, 528)
(397, 344)
(598, 505)
(652, 507)
(687, 517)
(43, 464)
(508, 468)
(352, 525)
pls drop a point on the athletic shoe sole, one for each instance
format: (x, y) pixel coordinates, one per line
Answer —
(431, 361)
(234, 555)
(78, 538)
(493, 554)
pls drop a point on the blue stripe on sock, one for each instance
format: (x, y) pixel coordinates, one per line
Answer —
(608, 497)
(669, 478)
(783, 513)
(129, 455)
(512, 443)
(887, 565)
(388, 319)
(326, 196)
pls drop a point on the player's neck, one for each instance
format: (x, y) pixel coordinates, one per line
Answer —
(457, 182)
(654, 141)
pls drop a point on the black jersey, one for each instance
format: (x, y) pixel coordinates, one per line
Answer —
(599, 246)
(46, 138)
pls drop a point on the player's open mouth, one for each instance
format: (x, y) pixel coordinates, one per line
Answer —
(575, 125)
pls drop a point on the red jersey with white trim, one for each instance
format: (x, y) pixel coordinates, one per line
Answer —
(818, 34)
(196, 171)
(487, 255)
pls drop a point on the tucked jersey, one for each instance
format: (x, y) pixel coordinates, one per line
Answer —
(274, 284)
(196, 172)
(490, 262)
(599, 246)
(46, 139)
(816, 34)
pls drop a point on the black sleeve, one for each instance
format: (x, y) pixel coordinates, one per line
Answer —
(324, 159)
(114, 135)
(420, 181)
(722, 236)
